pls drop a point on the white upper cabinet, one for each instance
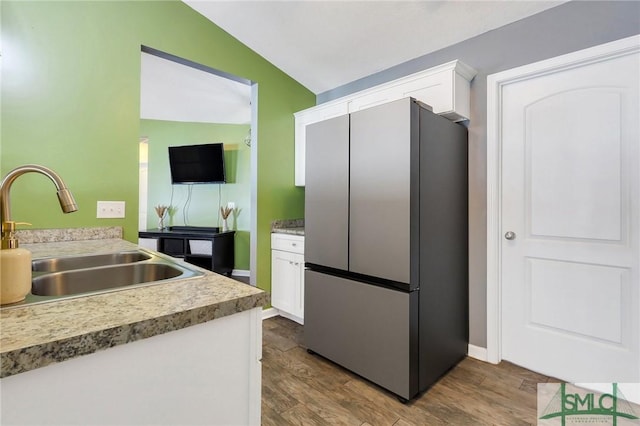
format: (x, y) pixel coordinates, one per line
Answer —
(445, 88)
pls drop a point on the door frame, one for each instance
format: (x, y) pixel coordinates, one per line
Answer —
(495, 84)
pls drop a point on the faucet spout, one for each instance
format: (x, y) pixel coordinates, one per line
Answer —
(67, 203)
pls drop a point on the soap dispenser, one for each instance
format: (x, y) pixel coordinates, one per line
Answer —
(15, 267)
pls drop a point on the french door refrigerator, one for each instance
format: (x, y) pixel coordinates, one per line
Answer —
(386, 281)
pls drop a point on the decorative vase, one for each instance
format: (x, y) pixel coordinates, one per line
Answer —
(161, 211)
(225, 225)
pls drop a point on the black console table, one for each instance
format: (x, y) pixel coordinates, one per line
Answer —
(175, 241)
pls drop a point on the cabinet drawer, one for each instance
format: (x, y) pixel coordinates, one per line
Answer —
(286, 242)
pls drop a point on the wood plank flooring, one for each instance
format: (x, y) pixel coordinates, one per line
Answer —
(303, 389)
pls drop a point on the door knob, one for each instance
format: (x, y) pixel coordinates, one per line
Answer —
(510, 235)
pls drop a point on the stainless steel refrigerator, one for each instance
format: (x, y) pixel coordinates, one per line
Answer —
(386, 245)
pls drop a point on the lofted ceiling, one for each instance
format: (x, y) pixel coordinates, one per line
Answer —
(321, 44)
(326, 44)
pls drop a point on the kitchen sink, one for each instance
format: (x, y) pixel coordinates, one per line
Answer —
(96, 279)
(66, 277)
(55, 264)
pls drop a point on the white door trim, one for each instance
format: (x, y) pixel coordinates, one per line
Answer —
(495, 84)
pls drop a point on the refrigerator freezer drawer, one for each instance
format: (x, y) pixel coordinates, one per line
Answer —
(365, 328)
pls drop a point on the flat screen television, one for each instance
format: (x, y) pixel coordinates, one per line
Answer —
(197, 163)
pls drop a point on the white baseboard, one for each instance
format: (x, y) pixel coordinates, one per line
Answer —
(274, 312)
(292, 317)
(240, 273)
(270, 313)
(477, 352)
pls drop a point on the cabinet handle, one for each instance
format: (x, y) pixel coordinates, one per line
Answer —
(294, 244)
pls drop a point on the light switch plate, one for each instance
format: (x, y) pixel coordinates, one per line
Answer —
(110, 210)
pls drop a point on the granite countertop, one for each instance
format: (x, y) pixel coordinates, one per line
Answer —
(288, 226)
(37, 335)
(292, 231)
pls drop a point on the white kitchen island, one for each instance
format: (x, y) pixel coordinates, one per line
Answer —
(180, 352)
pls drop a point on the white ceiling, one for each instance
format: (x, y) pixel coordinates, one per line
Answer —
(326, 44)
(175, 92)
(321, 44)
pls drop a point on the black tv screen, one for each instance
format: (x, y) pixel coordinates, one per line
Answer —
(197, 163)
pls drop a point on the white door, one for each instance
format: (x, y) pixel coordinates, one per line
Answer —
(569, 221)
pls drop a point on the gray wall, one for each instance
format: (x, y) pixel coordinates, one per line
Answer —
(566, 28)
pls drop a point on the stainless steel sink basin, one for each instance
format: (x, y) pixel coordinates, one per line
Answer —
(68, 277)
(67, 263)
(96, 279)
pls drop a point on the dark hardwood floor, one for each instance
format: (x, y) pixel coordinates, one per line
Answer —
(303, 389)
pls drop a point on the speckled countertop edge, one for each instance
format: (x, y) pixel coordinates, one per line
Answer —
(38, 335)
(288, 226)
(29, 236)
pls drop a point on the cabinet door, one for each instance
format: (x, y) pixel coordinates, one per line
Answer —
(298, 303)
(327, 193)
(374, 98)
(381, 189)
(285, 281)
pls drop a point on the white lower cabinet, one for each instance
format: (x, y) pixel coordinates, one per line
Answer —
(206, 374)
(287, 276)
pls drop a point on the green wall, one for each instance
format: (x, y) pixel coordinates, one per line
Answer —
(70, 101)
(203, 207)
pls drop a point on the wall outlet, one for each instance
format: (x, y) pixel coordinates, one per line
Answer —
(110, 210)
(231, 205)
